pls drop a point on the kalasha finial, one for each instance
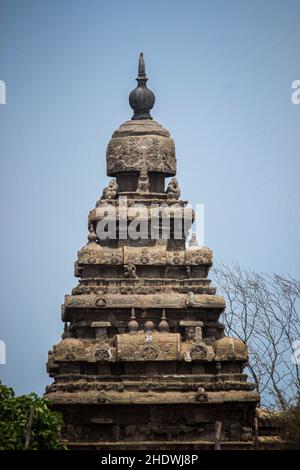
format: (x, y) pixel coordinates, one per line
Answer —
(141, 99)
(163, 325)
(133, 325)
(92, 237)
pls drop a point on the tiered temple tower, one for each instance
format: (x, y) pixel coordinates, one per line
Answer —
(144, 362)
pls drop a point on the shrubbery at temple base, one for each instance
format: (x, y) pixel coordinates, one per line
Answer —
(27, 422)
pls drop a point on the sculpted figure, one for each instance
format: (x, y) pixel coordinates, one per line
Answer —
(173, 190)
(193, 241)
(143, 182)
(130, 271)
(110, 192)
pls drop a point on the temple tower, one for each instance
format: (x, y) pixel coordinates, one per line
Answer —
(144, 362)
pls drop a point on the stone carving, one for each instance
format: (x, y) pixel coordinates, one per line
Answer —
(193, 241)
(192, 329)
(91, 253)
(147, 345)
(127, 149)
(230, 349)
(102, 352)
(195, 349)
(113, 256)
(173, 190)
(163, 300)
(69, 349)
(199, 351)
(196, 256)
(201, 395)
(101, 302)
(142, 256)
(147, 353)
(143, 182)
(110, 192)
(130, 271)
(191, 300)
(176, 257)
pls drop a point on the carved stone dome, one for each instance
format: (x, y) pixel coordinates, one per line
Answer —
(141, 143)
(69, 348)
(227, 349)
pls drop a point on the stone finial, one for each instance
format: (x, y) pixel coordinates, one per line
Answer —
(92, 237)
(133, 325)
(193, 241)
(149, 326)
(163, 325)
(141, 99)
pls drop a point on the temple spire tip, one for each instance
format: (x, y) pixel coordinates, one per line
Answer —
(141, 66)
(141, 99)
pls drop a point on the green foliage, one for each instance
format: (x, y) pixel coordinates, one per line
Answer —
(14, 417)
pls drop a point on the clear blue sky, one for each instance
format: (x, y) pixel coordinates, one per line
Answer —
(222, 74)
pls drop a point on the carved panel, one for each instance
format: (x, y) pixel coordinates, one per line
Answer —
(92, 253)
(198, 256)
(147, 347)
(100, 352)
(176, 257)
(144, 256)
(197, 351)
(130, 153)
(113, 256)
(145, 301)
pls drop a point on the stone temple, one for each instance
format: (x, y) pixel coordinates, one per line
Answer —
(144, 362)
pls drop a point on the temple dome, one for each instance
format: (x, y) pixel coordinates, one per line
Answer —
(227, 349)
(69, 348)
(141, 142)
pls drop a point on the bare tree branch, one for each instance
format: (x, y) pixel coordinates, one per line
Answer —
(263, 311)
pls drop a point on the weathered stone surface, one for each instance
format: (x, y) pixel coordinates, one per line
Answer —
(137, 142)
(182, 301)
(151, 347)
(93, 253)
(142, 326)
(230, 349)
(148, 398)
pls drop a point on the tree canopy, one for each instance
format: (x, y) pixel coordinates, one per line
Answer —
(26, 422)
